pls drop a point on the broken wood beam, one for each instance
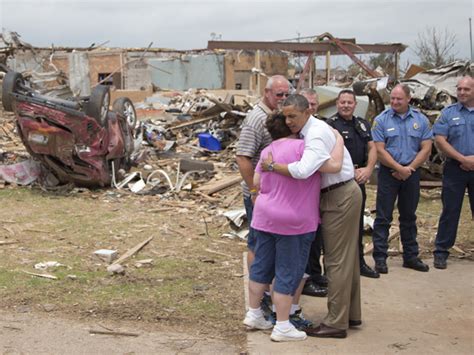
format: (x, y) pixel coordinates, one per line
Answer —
(210, 189)
(132, 251)
(45, 276)
(369, 247)
(424, 184)
(108, 332)
(193, 122)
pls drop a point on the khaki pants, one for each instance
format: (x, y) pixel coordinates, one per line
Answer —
(340, 213)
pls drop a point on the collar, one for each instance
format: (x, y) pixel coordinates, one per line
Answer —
(410, 112)
(311, 120)
(460, 106)
(264, 107)
(344, 120)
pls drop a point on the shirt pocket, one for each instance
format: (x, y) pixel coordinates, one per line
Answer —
(392, 138)
(415, 139)
(456, 127)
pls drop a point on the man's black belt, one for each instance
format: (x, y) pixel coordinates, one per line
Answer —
(335, 186)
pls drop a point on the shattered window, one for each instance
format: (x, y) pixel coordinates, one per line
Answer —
(109, 81)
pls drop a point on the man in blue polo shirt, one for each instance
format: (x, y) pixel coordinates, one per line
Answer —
(454, 136)
(402, 137)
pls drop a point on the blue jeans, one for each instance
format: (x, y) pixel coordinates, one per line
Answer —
(281, 257)
(408, 194)
(455, 182)
(251, 239)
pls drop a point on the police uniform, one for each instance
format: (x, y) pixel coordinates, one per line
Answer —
(356, 134)
(402, 137)
(456, 123)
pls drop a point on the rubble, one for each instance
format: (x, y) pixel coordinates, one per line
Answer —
(185, 141)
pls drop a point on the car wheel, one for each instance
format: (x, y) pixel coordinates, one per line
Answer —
(98, 105)
(124, 106)
(11, 82)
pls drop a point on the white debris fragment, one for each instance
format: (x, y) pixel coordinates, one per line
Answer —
(106, 254)
(47, 265)
(116, 269)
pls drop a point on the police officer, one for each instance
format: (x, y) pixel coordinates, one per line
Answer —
(454, 136)
(358, 141)
(316, 285)
(402, 137)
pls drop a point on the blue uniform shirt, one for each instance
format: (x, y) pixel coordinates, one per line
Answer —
(456, 123)
(402, 136)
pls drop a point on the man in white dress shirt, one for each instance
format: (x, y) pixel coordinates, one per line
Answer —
(340, 205)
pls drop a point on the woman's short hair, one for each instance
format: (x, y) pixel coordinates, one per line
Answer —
(276, 126)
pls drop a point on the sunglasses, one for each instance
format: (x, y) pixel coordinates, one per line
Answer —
(281, 94)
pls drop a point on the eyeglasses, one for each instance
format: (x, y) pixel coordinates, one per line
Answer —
(281, 94)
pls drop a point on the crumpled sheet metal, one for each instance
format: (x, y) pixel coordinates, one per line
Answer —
(23, 173)
(445, 77)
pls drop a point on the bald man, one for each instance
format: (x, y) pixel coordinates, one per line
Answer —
(402, 136)
(454, 136)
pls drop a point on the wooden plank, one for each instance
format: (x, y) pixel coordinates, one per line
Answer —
(369, 247)
(132, 251)
(306, 47)
(190, 123)
(109, 332)
(211, 188)
(430, 184)
(45, 276)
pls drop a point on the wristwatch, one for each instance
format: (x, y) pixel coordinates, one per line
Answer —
(270, 166)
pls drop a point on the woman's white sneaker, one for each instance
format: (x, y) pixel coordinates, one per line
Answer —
(257, 322)
(290, 334)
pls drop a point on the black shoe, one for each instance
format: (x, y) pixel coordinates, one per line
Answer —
(355, 323)
(266, 305)
(320, 280)
(366, 271)
(324, 331)
(416, 264)
(381, 267)
(439, 262)
(311, 289)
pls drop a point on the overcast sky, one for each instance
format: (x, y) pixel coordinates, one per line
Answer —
(188, 24)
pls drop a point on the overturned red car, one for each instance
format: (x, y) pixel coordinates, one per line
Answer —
(80, 140)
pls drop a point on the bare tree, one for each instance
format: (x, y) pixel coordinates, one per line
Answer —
(435, 47)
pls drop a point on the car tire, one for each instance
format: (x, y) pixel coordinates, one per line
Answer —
(124, 106)
(11, 82)
(98, 105)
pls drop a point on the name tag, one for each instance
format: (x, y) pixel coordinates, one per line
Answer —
(390, 129)
(455, 118)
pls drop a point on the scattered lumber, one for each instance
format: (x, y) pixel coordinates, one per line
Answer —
(111, 332)
(132, 251)
(45, 276)
(214, 187)
(369, 247)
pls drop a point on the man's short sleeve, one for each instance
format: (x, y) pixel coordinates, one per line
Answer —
(249, 141)
(427, 133)
(441, 126)
(378, 129)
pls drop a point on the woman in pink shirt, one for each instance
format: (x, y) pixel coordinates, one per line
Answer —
(285, 218)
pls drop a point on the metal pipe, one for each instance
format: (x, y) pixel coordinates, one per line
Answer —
(470, 39)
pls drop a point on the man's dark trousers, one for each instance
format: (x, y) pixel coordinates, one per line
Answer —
(455, 181)
(408, 193)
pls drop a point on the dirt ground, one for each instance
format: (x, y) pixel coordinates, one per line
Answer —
(189, 300)
(405, 311)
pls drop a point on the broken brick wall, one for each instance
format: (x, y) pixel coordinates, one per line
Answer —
(100, 64)
(239, 64)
